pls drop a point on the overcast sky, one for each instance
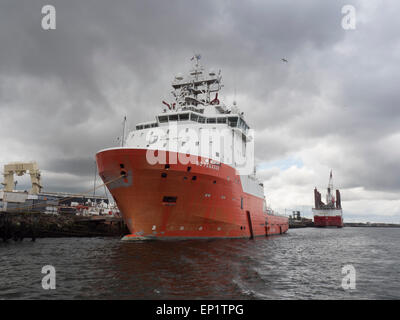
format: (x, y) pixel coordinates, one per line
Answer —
(333, 105)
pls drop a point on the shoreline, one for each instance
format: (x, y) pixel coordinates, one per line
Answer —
(18, 226)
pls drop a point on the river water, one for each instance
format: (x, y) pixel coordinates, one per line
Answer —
(302, 264)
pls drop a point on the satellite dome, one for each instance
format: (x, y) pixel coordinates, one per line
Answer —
(179, 76)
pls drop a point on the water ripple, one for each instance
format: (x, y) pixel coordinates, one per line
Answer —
(304, 264)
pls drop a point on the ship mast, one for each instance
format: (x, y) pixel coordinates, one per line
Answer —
(195, 89)
(123, 132)
(329, 197)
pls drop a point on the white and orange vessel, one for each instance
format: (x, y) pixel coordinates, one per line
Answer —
(329, 214)
(188, 174)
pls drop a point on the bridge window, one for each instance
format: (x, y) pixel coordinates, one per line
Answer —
(163, 119)
(194, 117)
(232, 121)
(145, 126)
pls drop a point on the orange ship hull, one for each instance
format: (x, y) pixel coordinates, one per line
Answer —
(183, 201)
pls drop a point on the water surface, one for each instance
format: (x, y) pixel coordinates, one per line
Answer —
(303, 264)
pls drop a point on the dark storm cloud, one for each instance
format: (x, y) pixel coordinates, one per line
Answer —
(65, 55)
(82, 167)
(63, 93)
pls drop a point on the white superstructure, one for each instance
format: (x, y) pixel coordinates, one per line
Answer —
(194, 109)
(197, 123)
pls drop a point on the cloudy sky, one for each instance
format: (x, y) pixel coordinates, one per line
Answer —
(333, 105)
